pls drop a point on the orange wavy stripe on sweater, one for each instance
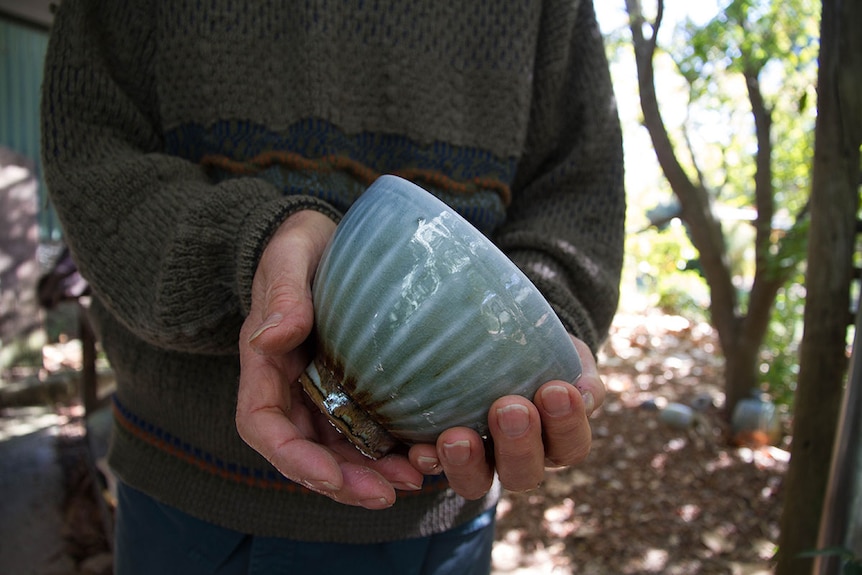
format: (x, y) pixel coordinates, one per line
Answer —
(360, 171)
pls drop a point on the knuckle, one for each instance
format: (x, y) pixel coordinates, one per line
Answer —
(475, 494)
(521, 473)
(243, 428)
(522, 484)
(575, 455)
(469, 489)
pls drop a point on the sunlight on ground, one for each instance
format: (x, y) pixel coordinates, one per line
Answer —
(654, 560)
(30, 420)
(63, 355)
(510, 558)
(688, 350)
(653, 498)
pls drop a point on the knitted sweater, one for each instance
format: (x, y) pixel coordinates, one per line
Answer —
(177, 135)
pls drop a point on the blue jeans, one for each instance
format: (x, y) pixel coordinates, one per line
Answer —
(154, 538)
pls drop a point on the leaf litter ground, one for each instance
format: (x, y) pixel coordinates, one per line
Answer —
(651, 498)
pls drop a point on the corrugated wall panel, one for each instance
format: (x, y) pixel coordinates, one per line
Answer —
(22, 57)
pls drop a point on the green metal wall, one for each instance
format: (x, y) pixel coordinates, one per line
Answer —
(22, 56)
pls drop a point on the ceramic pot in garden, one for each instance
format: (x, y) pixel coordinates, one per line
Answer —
(422, 323)
(756, 415)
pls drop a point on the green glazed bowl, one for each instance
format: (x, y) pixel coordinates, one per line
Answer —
(422, 323)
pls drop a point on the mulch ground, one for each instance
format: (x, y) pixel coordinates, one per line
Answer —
(87, 508)
(652, 498)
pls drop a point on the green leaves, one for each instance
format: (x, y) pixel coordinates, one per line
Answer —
(748, 35)
(747, 140)
(851, 565)
(775, 42)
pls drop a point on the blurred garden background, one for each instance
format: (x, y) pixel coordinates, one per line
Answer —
(727, 365)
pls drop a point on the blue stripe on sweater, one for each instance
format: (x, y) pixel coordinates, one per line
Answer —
(243, 141)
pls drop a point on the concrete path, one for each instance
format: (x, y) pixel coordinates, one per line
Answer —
(31, 494)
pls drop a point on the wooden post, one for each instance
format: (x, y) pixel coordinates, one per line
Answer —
(89, 378)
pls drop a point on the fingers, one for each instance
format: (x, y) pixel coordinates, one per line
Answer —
(565, 410)
(273, 415)
(460, 453)
(516, 429)
(525, 438)
(394, 468)
(263, 403)
(425, 459)
(590, 385)
(273, 419)
(566, 429)
(265, 420)
(553, 430)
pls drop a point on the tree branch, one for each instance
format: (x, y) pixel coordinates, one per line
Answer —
(701, 181)
(763, 191)
(767, 279)
(658, 19)
(703, 228)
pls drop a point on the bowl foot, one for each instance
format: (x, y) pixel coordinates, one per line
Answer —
(324, 388)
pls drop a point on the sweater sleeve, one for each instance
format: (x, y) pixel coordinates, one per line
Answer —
(565, 226)
(169, 253)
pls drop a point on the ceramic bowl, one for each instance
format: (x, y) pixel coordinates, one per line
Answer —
(421, 323)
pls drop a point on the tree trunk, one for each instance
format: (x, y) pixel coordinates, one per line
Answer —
(703, 228)
(743, 356)
(741, 336)
(834, 204)
(740, 371)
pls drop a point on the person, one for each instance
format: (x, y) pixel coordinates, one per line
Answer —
(199, 156)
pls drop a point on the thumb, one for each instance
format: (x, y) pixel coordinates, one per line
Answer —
(282, 314)
(284, 328)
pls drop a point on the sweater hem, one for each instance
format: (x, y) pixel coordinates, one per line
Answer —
(265, 503)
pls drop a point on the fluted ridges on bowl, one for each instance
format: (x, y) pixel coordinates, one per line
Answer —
(427, 319)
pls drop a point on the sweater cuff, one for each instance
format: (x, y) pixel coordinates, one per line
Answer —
(258, 227)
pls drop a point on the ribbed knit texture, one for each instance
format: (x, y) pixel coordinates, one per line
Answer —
(178, 135)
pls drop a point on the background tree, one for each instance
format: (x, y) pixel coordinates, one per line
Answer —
(749, 43)
(834, 208)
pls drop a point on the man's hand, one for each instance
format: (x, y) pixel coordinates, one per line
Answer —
(276, 418)
(273, 414)
(551, 431)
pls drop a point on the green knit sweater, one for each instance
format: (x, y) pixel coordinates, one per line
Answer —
(178, 135)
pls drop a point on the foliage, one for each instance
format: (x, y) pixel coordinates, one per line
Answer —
(24, 350)
(777, 43)
(667, 269)
(779, 357)
(745, 143)
(851, 565)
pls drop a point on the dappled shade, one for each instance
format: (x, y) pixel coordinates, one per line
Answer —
(652, 498)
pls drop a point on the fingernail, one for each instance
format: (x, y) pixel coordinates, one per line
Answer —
(431, 464)
(376, 503)
(269, 323)
(513, 419)
(406, 486)
(457, 452)
(589, 402)
(319, 486)
(555, 399)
